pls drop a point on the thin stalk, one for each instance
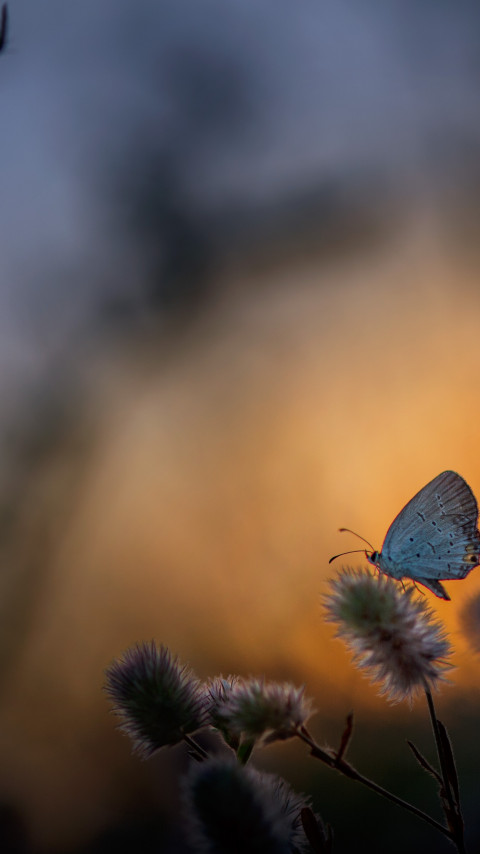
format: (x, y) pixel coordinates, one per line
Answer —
(245, 750)
(349, 771)
(195, 747)
(457, 834)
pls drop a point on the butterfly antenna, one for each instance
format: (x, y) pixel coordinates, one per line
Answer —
(355, 551)
(349, 530)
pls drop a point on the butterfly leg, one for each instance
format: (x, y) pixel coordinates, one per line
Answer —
(418, 589)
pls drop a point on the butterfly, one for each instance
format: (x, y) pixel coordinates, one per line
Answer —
(433, 538)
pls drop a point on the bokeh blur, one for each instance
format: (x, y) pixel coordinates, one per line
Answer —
(239, 308)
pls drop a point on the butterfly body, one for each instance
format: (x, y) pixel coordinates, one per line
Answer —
(434, 537)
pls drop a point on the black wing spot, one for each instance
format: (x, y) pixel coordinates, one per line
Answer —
(422, 517)
(418, 555)
(411, 539)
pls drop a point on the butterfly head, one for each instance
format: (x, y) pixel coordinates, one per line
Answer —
(372, 557)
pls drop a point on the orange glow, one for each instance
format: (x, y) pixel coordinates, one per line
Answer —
(210, 501)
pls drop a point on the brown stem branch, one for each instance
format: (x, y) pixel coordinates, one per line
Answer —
(348, 770)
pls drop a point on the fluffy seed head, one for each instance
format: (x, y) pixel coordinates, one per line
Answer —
(255, 708)
(218, 691)
(232, 808)
(393, 634)
(157, 699)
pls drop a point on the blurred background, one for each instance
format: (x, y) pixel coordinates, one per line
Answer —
(239, 307)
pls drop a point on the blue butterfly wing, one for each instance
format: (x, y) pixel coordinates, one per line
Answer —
(435, 535)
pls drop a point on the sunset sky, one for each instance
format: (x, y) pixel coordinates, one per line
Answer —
(239, 310)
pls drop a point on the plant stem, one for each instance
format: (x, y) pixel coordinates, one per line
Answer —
(349, 771)
(245, 750)
(195, 747)
(454, 807)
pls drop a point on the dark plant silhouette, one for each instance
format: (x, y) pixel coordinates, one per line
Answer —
(395, 638)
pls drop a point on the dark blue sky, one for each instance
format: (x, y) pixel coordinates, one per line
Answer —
(249, 101)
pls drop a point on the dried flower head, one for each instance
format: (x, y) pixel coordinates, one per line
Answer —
(254, 708)
(392, 633)
(217, 692)
(158, 700)
(231, 808)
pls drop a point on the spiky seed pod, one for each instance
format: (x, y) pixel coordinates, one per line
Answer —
(233, 809)
(393, 634)
(256, 708)
(158, 699)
